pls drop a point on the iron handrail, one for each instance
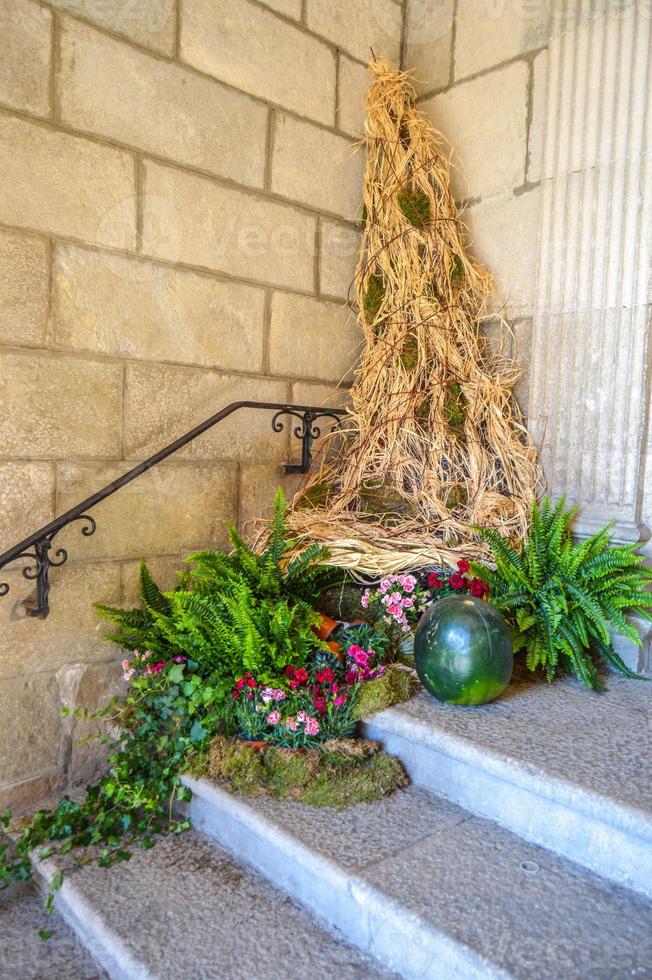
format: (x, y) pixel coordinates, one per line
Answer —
(41, 540)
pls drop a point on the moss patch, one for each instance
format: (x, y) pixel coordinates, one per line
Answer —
(397, 684)
(373, 298)
(415, 206)
(347, 771)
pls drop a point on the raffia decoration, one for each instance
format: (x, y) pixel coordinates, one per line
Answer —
(435, 441)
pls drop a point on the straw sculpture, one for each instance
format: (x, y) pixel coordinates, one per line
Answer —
(435, 441)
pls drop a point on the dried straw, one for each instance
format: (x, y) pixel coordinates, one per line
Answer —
(435, 441)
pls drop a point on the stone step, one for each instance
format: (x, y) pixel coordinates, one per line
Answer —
(558, 765)
(434, 892)
(186, 910)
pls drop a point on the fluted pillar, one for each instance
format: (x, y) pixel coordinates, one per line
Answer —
(589, 394)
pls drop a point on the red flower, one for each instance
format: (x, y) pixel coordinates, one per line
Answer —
(325, 676)
(319, 703)
(476, 588)
(351, 676)
(434, 582)
(457, 582)
(289, 670)
(463, 565)
(236, 695)
(251, 682)
(301, 675)
(158, 667)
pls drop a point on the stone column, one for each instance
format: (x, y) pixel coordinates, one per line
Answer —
(589, 394)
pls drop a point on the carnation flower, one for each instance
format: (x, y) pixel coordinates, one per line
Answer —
(291, 723)
(311, 726)
(157, 668)
(301, 675)
(364, 601)
(457, 582)
(434, 582)
(325, 676)
(273, 717)
(463, 565)
(339, 700)
(361, 658)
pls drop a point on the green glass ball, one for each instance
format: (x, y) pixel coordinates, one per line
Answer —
(463, 651)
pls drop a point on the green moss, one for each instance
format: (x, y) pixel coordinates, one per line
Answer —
(457, 497)
(415, 206)
(373, 298)
(397, 684)
(455, 406)
(346, 781)
(316, 495)
(410, 353)
(336, 777)
(457, 269)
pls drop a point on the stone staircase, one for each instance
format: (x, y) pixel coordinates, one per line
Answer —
(521, 849)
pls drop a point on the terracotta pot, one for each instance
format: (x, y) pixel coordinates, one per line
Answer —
(326, 627)
(336, 649)
(256, 746)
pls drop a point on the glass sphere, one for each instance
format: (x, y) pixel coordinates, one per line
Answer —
(463, 651)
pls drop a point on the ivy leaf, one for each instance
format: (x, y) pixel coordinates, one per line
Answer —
(197, 733)
(176, 674)
(45, 934)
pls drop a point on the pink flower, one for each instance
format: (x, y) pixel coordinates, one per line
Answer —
(361, 658)
(385, 585)
(409, 583)
(273, 717)
(364, 601)
(180, 659)
(407, 603)
(394, 610)
(301, 716)
(291, 723)
(311, 726)
(353, 650)
(339, 700)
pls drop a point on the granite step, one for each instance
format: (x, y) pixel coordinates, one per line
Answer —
(186, 910)
(558, 765)
(434, 892)
(25, 956)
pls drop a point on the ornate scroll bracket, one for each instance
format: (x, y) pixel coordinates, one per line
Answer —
(307, 432)
(42, 561)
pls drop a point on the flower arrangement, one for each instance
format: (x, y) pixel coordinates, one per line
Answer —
(401, 600)
(314, 705)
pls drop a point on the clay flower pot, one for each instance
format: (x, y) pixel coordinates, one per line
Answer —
(326, 627)
(255, 745)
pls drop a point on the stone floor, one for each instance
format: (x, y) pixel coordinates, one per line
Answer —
(25, 956)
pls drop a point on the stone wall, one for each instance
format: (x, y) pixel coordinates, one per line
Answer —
(177, 231)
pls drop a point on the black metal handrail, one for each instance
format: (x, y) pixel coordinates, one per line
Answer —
(41, 540)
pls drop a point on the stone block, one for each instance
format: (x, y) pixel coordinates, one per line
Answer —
(316, 167)
(153, 419)
(116, 305)
(66, 185)
(24, 286)
(249, 47)
(174, 508)
(537, 122)
(359, 27)
(487, 34)
(27, 497)
(73, 632)
(353, 86)
(56, 405)
(428, 43)
(23, 796)
(339, 248)
(258, 484)
(89, 688)
(25, 29)
(165, 570)
(505, 236)
(329, 396)
(109, 88)
(29, 734)
(291, 8)
(313, 338)
(485, 121)
(194, 220)
(151, 23)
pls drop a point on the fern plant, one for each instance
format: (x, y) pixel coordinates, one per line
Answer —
(233, 612)
(562, 598)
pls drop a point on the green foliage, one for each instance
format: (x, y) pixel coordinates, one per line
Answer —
(455, 406)
(235, 612)
(373, 298)
(165, 717)
(415, 206)
(561, 597)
